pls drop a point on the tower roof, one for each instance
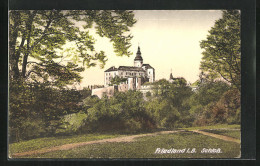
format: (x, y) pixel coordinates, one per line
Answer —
(171, 77)
(138, 55)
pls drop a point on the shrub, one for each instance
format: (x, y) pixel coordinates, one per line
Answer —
(226, 110)
(123, 112)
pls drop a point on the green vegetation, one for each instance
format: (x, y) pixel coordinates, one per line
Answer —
(117, 80)
(217, 126)
(46, 142)
(41, 67)
(230, 133)
(41, 105)
(71, 122)
(222, 49)
(124, 112)
(38, 36)
(145, 148)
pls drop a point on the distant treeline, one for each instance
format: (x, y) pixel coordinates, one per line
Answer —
(40, 111)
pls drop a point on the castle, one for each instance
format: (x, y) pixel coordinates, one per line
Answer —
(134, 77)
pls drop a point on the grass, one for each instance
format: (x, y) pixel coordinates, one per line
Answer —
(141, 148)
(230, 133)
(218, 126)
(145, 147)
(55, 141)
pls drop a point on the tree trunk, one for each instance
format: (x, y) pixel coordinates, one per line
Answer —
(29, 28)
(14, 70)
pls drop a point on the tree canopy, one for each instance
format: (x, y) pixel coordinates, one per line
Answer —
(37, 39)
(222, 49)
(117, 80)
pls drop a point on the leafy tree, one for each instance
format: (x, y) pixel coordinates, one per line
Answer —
(162, 87)
(124, 112)
(180, 81)
(42, 62)
(35, 110)
(168, 107)
(37, 37)
(222, 49)
(148, 94)
(210, 92)
(227, 109)
(117, 80)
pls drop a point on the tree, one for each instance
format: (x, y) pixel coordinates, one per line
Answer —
(43, 61)
(37, 37)
(222, 49)
(168, 107)
(123, 112)
(210, 92)
(180, 81)
(117, 80)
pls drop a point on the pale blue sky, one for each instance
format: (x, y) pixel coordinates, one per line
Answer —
(169, 39)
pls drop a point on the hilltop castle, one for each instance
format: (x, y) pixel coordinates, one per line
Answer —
(132, 73)
(134, 77)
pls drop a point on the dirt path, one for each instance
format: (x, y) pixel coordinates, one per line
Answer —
(75, 145)
(118, 139)
(225, 138)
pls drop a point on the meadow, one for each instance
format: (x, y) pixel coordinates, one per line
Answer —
(143, 147)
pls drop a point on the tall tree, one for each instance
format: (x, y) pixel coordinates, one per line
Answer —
(222, 49)
(37, 37)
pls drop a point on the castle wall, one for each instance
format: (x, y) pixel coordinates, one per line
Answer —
(100, 92)
(122, 87)
(151, 75)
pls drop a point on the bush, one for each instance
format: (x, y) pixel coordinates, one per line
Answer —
(71, 123)
(211, 92)
(35, 109)
(226, 110)
(228, 107)
(124, 112)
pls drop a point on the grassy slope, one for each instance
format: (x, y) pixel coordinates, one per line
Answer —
(187, 141)
(218, 126)
(55, 141)
(230, 133)
(145, 147)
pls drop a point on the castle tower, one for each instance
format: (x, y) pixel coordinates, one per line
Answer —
(138, 61)
(171, 77)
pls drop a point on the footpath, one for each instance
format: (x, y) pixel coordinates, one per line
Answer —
(75, 145)
(118, 139)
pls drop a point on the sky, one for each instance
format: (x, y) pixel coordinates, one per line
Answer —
(169, 41)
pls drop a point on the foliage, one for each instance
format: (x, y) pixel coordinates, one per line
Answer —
(168, 106)
(226, 110)
(38, 37)
(124, 112)
(117, 80)
(85, 92)
(210, 92)
(35, 110)
(222, 49)
(148, 94)
(43, 62)
(71, 123)
(180, 81)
